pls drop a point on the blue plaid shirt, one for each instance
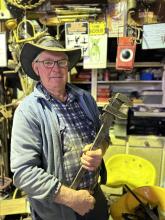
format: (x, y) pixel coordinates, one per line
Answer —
(76, 130)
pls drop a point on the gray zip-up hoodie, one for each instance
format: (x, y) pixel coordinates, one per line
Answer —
(36, 151)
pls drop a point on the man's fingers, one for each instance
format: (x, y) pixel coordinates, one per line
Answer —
(87, 147)
(87, 160)
(94, 153)
(91, 164)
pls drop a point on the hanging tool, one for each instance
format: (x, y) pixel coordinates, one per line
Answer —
(4, 113)
(110, 112)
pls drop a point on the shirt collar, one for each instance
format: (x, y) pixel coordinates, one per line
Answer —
(48, 96)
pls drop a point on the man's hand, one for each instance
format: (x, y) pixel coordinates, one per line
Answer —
(79, 200)
(91, 159)
(82, 202)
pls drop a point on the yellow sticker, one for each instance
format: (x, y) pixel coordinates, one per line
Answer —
(97, 28)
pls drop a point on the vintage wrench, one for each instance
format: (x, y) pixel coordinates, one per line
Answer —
(111, 111)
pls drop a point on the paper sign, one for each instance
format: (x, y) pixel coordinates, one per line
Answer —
(76, 36)
(3, 50)
(153, 36)
(96, 28)
(97, 52)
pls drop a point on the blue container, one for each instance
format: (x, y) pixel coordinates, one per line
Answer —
(146, 76)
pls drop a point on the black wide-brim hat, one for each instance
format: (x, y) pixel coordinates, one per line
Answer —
(30, 51)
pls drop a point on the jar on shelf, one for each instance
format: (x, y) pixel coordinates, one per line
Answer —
(106, 75)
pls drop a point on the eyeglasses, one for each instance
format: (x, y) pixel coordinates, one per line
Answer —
(51, 63)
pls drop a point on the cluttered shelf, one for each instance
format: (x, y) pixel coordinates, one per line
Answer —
(143, 84)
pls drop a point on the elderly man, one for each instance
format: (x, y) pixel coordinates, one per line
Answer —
(52, 130)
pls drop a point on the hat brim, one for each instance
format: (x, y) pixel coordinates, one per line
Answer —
(31, 50)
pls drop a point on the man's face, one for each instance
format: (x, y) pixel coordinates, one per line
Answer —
(53, 75)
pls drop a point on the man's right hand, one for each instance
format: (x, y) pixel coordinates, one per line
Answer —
(81, 201)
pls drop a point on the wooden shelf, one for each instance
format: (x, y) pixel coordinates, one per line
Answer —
(141, 64)
(130, 81)
(149, 114)
(149, 105)
(81, 82)
(121, 82)
(101, 104)
(136, 64)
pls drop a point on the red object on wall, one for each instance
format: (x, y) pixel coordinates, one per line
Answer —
(125, 53)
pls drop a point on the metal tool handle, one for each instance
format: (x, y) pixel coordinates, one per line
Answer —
(110, 112)
(82, 171)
